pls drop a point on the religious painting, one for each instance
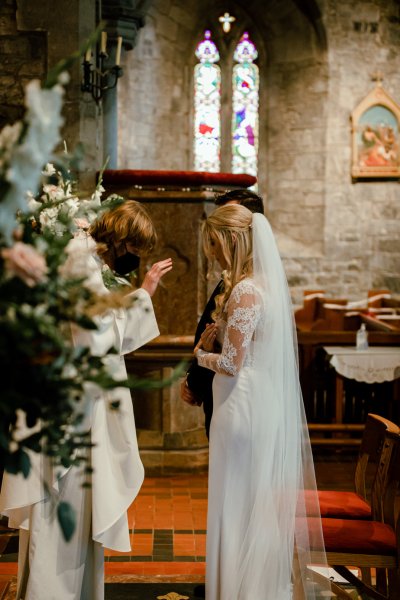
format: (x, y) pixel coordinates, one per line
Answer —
(376, 137)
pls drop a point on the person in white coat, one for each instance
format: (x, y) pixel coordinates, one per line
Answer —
(50, 568)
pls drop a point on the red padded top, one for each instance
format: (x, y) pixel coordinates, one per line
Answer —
(356, 537)
(127, 177)
(344, 505)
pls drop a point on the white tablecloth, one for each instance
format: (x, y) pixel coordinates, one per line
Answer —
(375, 365)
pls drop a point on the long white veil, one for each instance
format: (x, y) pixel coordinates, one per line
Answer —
(282, 468)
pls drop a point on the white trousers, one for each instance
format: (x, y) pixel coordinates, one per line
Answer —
(49, 568)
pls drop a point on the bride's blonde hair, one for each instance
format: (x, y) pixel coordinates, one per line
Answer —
(229, 226)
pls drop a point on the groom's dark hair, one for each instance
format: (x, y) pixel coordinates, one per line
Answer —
(245, 197)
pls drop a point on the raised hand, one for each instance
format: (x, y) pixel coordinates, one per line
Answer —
(154, 274)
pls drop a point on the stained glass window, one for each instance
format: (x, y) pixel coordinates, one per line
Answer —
(245, 108)
(207, 107)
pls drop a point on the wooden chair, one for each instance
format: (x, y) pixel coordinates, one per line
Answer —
(377, 297)
(368, 544)
(306, 315)
(356, 505)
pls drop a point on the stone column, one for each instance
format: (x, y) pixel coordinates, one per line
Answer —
(123, 18)
(110, 115)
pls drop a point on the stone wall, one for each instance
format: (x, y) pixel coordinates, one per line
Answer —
(32, 41)
(316, 62)
(154, 94)
(22, 56)
(361, 219)
(360, 233)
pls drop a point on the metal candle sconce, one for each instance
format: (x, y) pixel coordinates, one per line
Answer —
(97, 79)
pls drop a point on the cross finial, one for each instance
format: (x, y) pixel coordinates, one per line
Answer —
(378, 77)
(226, 19)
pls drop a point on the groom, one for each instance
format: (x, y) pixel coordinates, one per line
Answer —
(196, 389)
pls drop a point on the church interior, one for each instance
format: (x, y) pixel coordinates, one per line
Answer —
(172, 102)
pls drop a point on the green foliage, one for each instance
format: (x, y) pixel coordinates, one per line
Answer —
(46, 382)
(67, 519)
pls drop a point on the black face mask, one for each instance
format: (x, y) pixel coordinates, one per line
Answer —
(126, 263)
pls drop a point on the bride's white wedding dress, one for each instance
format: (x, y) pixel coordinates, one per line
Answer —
(260, 459)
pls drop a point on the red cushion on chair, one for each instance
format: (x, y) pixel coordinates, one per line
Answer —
(343, 505)
(357, 537)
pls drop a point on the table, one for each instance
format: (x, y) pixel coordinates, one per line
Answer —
(374, 365)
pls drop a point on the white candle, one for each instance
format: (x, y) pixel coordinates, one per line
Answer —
(88, 54)
(103, 42)
(118, 54)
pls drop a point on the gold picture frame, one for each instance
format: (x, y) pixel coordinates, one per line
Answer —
(375, 128)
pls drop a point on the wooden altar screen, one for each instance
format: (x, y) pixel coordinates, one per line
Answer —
(170, 433)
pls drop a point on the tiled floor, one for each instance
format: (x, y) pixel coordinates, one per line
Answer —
(168, 529)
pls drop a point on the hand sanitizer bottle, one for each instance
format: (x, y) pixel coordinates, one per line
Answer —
(362, 338)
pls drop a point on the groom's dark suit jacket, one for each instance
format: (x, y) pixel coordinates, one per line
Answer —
(199, 379)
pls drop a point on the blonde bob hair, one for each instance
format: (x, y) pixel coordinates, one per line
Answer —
(230, 228)
(128, 222)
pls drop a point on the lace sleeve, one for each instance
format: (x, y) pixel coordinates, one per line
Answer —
(243, 313)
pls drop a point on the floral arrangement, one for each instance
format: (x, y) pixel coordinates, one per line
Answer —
(44, 379)
(43, 376)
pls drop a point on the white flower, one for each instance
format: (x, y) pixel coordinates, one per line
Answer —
(32, 204)
(82, 223)
(88, 209)
(78, 264)
(48, 217)
(11, 314)
(43, 119)
(69, 371)
(59, 228)
(64, 78)
(40, 310)
(49, 170)
(26, 309)
(52, 193)
(96, 196)
(70, 207)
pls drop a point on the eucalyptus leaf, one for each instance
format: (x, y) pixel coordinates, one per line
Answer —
(155, 384)
(17, 462)
(67, 519)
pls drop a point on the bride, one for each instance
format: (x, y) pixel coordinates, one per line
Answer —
(260, 456)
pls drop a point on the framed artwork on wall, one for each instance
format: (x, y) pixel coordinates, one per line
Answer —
(375, 127)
